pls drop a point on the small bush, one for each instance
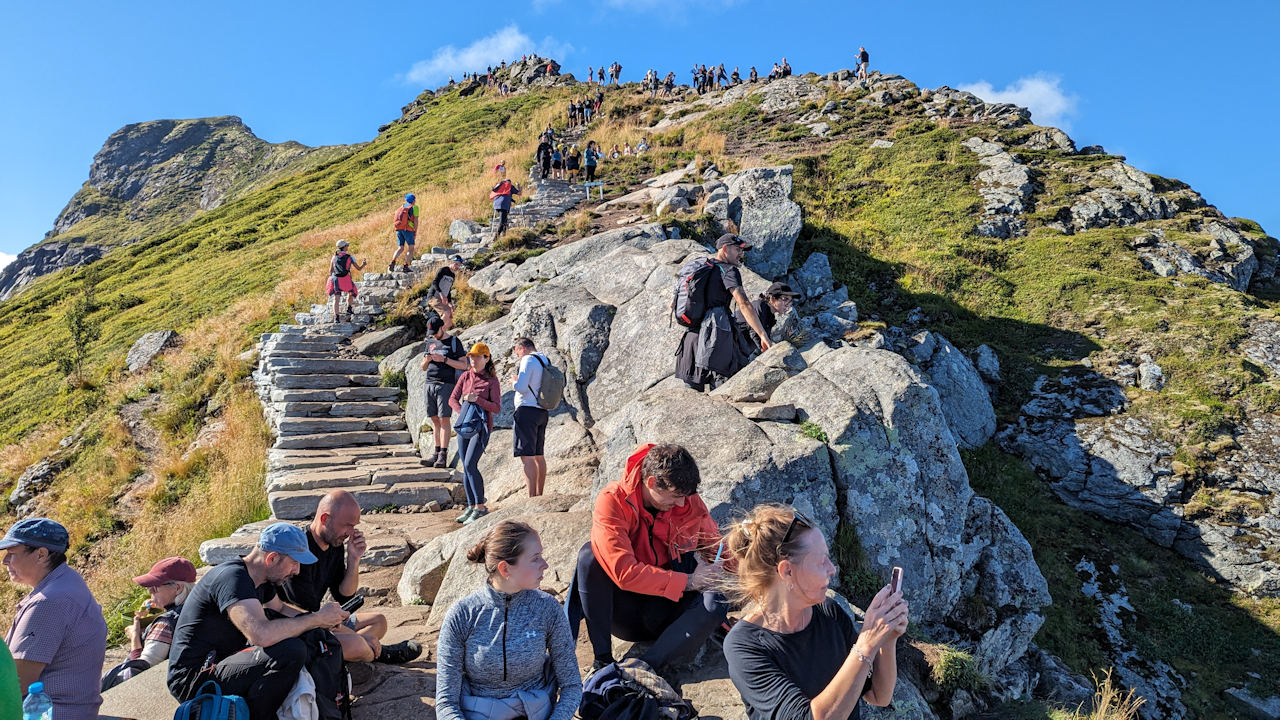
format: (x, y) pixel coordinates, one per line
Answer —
(811, 429)
(395, 379)
(956, 670)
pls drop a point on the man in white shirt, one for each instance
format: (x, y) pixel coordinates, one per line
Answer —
(530, 426)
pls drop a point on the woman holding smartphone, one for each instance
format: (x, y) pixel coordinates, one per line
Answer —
(795, 655)
(477, 386)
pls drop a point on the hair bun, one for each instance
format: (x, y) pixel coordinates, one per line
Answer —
(477, 553)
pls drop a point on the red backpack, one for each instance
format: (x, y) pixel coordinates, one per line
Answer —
(404, 218)
(502, 188)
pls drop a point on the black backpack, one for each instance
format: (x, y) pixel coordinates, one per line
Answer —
(690, 302)
(340, 266)
(631, 690)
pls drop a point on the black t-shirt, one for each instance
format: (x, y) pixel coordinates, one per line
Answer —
(864, 56)
(764, 312)
(306, 589)
(203, 626)
(443, 372)
(778, 674)
(442, 284)
(719, 294)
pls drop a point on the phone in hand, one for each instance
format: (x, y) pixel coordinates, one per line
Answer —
(895, 580)
(353, 604)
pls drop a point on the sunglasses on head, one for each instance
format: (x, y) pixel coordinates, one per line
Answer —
(797, 518)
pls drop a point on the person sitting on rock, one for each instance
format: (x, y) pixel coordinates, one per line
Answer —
(505, 650)
(440, 293)
(477, 387)
(340, 281)
(753, 76)
(338, 545)
(647, 574)
(627, 149)
(735, 78)
(169, 582)
(713, 350)
(773, 303)
(643, 146)
(58, 636)
(615, 153)
(796, 653)
(232, 631)
(445, 356)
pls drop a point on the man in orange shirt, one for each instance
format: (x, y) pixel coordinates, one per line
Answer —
(650, 570)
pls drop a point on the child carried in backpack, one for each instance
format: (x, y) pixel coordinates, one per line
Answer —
(340, 281)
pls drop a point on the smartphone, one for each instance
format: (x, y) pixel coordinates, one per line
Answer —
(353, 604)
(895, 580)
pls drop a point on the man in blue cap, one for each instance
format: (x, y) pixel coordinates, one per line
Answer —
(235, 608)
(58, 636)
(406, 225)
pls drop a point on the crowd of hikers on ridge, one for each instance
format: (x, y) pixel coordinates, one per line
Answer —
(657, 569)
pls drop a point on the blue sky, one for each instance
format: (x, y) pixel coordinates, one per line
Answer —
(1184, 90)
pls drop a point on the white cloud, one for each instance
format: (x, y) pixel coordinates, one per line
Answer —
(1041, 94)
(5, 259)
(505, 44)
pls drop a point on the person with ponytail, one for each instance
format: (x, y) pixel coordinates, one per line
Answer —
(505, 650)
(795, 654)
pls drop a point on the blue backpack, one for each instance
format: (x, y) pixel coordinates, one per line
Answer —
(213, 706)
(471, 421)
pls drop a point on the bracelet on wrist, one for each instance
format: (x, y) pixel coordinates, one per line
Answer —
(866, 660)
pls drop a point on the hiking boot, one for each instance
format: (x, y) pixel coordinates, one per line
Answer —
(399, 653)
(475, 515)
(406, 267)
(392, 267)
(466, 515)
(442, 459)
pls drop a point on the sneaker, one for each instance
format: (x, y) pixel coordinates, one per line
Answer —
(399, 653)
(464, 517)
(406, 267)
(475, 515)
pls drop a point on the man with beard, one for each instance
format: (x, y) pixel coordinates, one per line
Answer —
(232, 631)
(337, 570)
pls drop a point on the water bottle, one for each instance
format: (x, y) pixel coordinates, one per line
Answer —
(37, 706)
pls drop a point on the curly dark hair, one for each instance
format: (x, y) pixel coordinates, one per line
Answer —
(673, 467)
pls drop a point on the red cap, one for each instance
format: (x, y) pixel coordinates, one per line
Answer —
(174, 569)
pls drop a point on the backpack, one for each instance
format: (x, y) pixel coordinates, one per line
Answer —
(471, 421)
(340, 266)
(213, 706)
(690, 302)
(551, 390)
(502, 188)
(631, 690)
(404, 218)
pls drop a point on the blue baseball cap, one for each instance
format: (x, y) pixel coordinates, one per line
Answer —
(37, 532)
(288, 540)
(409, 198)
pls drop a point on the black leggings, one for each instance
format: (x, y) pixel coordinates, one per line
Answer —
(677, 628)
(591, 173)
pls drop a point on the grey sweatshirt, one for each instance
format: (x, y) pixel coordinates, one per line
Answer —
(498, 643)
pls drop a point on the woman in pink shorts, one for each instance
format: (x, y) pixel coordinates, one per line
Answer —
(340, 281)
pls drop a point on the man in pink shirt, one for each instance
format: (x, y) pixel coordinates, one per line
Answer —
(58, 636)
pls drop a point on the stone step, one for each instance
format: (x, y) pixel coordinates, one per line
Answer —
(302, 338)
(343, 329)
(324, 321)
(319, 478)
(280, 460)
(409, 474)
(325, 382)
(313, 425)
(343, 439)
(304, 366)
(342, 394)
(301, 504)
(387, 542)
(274, 354)
(337, 409)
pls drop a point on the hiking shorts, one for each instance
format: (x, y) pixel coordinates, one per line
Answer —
(438, 399)
(340, 285)
(529, 431)
(404, 237)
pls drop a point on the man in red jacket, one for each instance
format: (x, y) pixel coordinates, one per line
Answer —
(649, 572)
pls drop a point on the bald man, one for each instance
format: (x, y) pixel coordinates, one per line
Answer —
(337, 570)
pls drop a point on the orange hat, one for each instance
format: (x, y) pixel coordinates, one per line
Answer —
(480, 349)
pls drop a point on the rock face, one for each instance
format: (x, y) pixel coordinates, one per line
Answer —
(760, 205)
(44, 259)
(147, 347)
(1006, 187)
(1130, 198)
(964, 397)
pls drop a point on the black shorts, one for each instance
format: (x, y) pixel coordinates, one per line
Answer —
(529, 433)
(438, 399)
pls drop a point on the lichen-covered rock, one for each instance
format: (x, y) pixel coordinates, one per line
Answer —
(147, 347)
(760, 205)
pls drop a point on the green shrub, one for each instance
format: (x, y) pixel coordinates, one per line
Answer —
(955, 670)
(811, 429)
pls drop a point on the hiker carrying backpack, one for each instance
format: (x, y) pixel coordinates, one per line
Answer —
(404, 218)
(340, 265)
(690, 297)
(631, 690)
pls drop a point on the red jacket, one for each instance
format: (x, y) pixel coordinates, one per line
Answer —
(632, 544)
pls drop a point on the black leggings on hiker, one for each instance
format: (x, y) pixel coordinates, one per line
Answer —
(676, 627)
(502, 220)
(591, 173)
